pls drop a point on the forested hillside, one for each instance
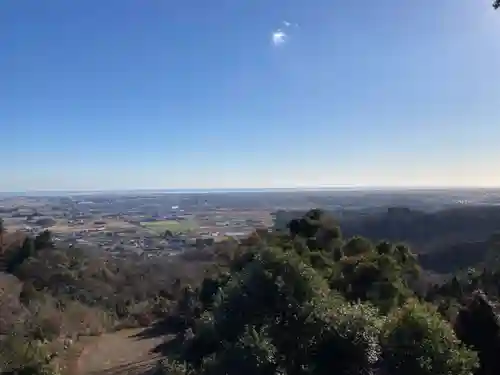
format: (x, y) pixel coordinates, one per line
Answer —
(445, 241)
(50, 297)
(425, 231)
(311, 302)
(306, 300)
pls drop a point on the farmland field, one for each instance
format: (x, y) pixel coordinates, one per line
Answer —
(174, 226)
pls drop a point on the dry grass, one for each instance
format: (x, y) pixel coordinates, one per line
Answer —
(12, 311)
(13, 239)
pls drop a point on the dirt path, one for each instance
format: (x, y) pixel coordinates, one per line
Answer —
(119, 353)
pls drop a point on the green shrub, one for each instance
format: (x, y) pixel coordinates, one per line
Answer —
(21, 356)
(417, 341)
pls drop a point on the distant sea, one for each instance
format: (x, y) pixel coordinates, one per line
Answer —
(56, 193)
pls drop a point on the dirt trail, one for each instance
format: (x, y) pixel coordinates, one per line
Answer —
(119, 353)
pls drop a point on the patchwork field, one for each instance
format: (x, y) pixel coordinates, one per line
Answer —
(181, 226)
(111, 225)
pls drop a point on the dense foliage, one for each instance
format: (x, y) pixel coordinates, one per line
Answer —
(49, 297)
(122, 288)
(310, 302)
(444, 241)
(305, 300)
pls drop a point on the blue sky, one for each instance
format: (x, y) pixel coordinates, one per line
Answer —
(122, 94)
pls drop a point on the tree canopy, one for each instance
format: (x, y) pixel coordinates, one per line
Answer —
(312, 302)
(308, 300)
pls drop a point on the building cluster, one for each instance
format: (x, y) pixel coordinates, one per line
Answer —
(142, 226)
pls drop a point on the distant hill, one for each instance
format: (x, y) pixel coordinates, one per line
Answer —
(446, 240)
(455, 257)
(424, 231)
(427, 232)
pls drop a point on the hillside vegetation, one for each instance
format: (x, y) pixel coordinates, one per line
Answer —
(445, 241)
(311, 302)
(50, 297)
(308, 299)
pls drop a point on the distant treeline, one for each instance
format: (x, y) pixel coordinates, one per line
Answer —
(445, 240)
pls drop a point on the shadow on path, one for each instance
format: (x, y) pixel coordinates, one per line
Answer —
(158, 329)
(129, 352)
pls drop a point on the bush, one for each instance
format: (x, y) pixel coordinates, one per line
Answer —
(45, 321)
(144, 319)
(21, 356)
(12, 313)
(170, 367)
(82, 319)
(345, 338)
(417, 341)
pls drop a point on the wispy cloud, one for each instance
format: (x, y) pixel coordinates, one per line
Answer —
(279, 37)
(292, 24)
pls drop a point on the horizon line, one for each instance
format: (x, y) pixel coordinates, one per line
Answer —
(251, 190)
